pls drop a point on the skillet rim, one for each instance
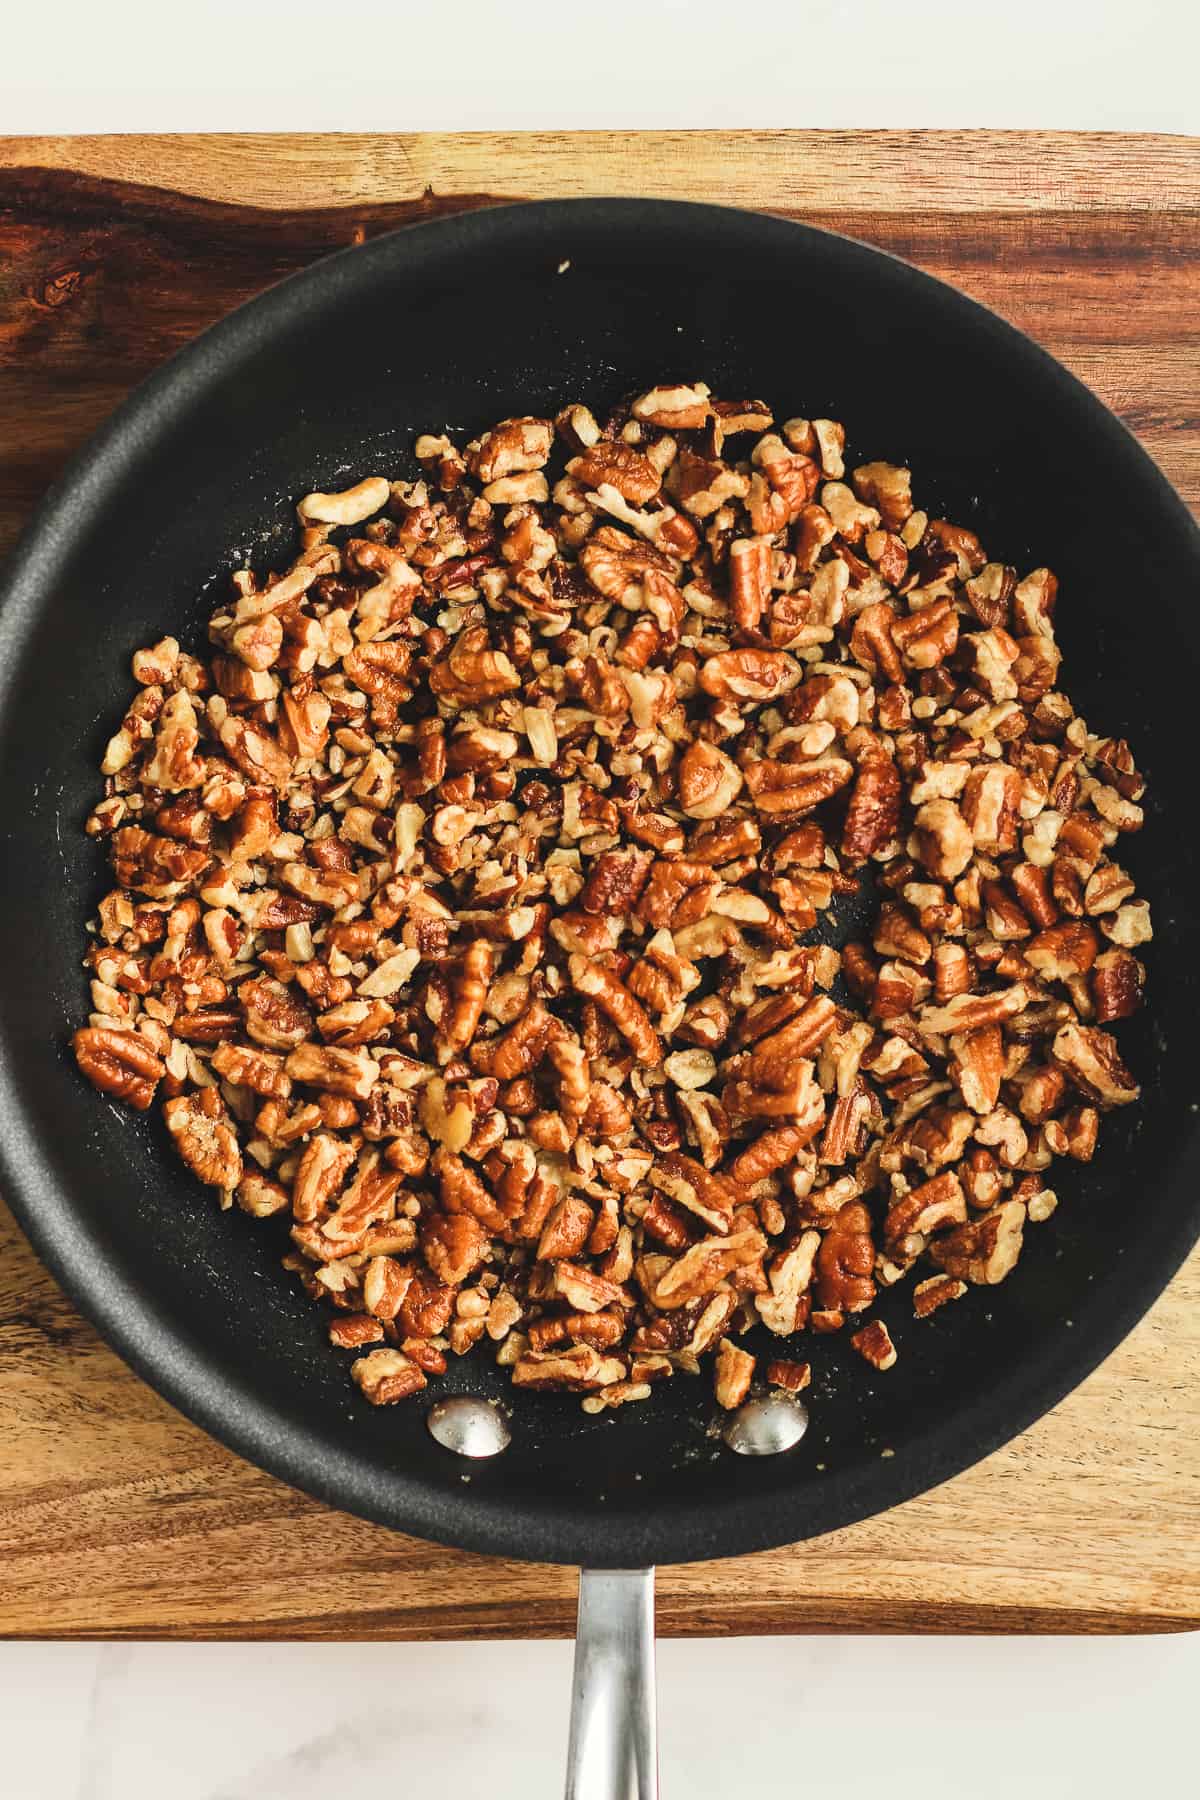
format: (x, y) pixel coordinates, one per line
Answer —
(132, 1320)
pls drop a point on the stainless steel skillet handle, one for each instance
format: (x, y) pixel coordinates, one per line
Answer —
(613, 1750)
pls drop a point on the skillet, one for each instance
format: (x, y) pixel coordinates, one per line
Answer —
(452, 325)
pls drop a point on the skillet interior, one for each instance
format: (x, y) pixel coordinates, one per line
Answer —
(455, 324)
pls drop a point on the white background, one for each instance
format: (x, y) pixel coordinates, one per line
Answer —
(374, 65)
(901, 1718)
(959, 1719)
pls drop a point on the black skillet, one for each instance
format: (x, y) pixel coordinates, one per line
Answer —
(330, 376)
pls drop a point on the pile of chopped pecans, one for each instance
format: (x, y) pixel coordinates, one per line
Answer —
(465, 899)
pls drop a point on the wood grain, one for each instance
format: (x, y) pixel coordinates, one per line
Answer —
(117, 1517)
(924, 171)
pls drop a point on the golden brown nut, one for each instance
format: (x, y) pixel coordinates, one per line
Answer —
(464, 896)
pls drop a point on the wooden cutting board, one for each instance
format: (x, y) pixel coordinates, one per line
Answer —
(117, 1518)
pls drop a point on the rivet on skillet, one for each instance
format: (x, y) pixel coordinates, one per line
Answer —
(765, 1427)
(469, 1427)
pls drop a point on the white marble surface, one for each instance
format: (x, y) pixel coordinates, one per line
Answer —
(933, 1719)
(278, 65)
(959, 1719)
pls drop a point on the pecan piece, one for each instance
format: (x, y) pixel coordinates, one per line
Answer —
(274, 1017)
(874, 1344)
(749, 580)
(160, 867)
(749, 674)
(120, 1063)
(453, 1246)
(786, 790)
(257, 1070)
(518, 1050)
(350, 1072)
(984, 1251)
(510, 448)
(701, 1191)
(784, 1307)
(470, 998)
(1091, 1059)
(921, 1212)
(700, 1269)
(844, 1261)
(385, 1376)
(205, 1137)
(732, 1373)
(873, 814)
(977, 1066)
(1117, 982)
(939, 1290)
(633, 475)
(709, 781)
(581, 1369)
(614, 999)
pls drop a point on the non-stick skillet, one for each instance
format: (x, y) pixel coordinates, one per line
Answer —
(455, 324)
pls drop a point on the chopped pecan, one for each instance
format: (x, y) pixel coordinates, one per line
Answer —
(463, 885)
(944, 841)
(160, 867)
(874, 810)
(886, 487)
(353, 1331)
(844, 1261)
(274, 1016)
(701, 1191)
(874, 1344)
(581, 1369)
(786, 790)
(770, 1151)
(732, 1373)
(616, 880)
(990, 803)
(680, 408)
(566, 1230)
(709, 781)
(350, 1072)
(784, 1306)
(968, 1012)
(385, 1376)
(939, 1290)
(453, 1246)
(921, 1212)
(510, 448)
(749, 674)
(749, 580)
(977, 1066)
(516, 1051)
(254, 1069)
(1117, 982)
(791, 1377)
(702, 1267)
(633, 475)
(614, 999)
(120, 1063)
(462, 1191)
(205, 1137)
(1062, 951)
(472, 671)
(1091, 1059)
(926, 637)
(470, 997)
(323, 1167)
(985, 1250)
